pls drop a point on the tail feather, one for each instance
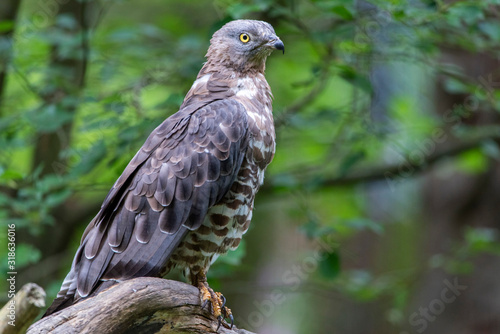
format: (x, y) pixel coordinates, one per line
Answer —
(69, 294)
(59, 304)
(66, 296)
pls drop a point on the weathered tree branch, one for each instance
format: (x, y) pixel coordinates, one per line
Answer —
(142, 305)
(19, 312)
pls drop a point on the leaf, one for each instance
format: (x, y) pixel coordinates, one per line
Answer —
(343, 12)
(240, 10)
(6, 25)
(26, 254)
(464, 12)
(490, 29)
(350, 161)
(456, 86)
(313, 229)
(356, 79)
(361, 224)
(66, 21)
(57, 198)
(10, 174)
(90, 159)
(482, 240)
(50, 182)
(329, 265)
(491, 149)
(473, 161)
(50, 118)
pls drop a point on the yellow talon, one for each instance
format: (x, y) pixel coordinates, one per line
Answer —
(216, 299)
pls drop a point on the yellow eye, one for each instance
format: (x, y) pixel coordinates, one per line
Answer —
(244, 38)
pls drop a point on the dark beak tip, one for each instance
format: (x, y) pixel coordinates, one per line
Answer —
(279, 46)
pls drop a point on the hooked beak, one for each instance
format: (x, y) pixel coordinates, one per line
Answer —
(277, 44)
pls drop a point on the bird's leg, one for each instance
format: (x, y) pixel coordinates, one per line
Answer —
(216, 299)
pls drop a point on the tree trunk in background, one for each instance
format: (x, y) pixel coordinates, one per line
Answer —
(454, 201)
(8, 13)
(64, 85)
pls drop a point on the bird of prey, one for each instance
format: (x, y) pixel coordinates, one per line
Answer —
(187, 195)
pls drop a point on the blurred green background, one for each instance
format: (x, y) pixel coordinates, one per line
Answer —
(381, 209)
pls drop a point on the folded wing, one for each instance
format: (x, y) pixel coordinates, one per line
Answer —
(186, 166)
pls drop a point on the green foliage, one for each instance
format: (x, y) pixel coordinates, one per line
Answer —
(477, 241)
(36, 196)
(473, 161)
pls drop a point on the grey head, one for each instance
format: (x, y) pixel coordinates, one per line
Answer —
(243, 45)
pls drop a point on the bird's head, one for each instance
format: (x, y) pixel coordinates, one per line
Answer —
(243, 45)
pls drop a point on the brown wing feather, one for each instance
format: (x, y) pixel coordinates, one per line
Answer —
(186, 166)
(180, 192)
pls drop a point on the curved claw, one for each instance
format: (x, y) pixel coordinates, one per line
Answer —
(226, 313)
(220, 320)
(223, 301)
(205, 303)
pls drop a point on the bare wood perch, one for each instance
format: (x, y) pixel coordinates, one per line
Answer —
(22, 309)
(143, 305)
